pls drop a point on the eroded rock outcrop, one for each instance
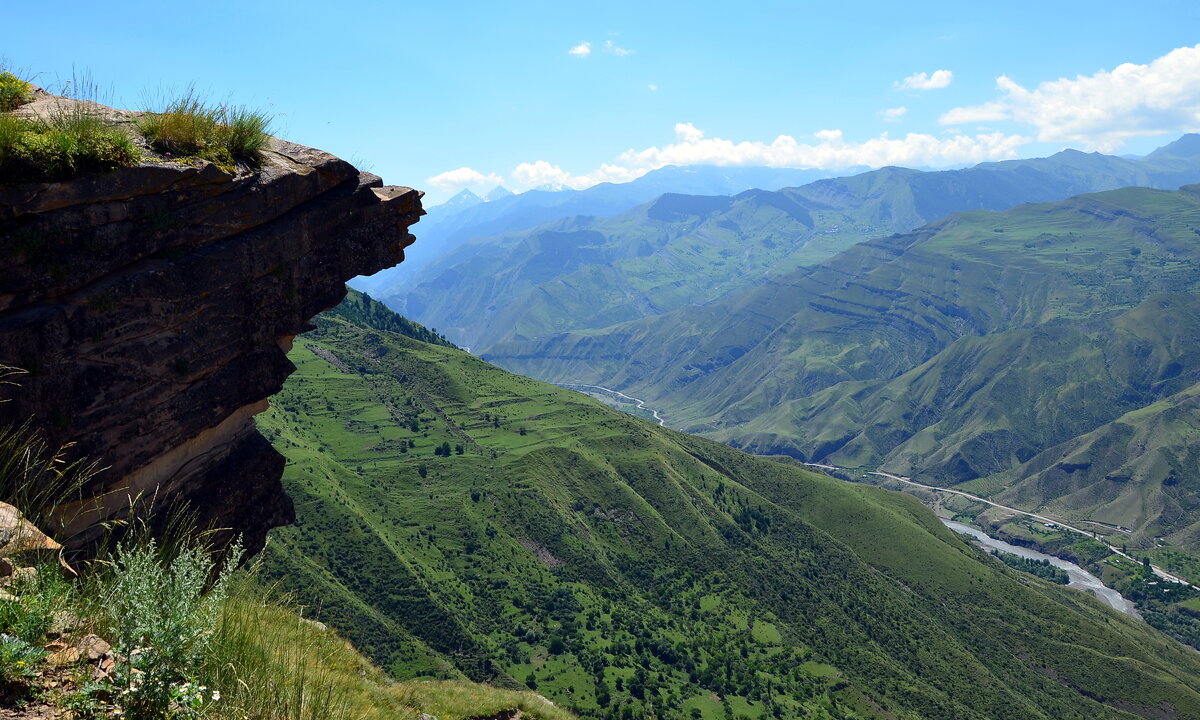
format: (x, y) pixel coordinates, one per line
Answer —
(153, 307)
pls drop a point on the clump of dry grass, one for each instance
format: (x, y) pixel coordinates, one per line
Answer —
(190, 127)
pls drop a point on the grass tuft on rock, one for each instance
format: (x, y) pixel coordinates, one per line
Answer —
(60, 146)
(190, 127)
(68, 138)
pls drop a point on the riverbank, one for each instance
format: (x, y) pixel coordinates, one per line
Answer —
(1162, 599)
(596, 391)
(1052, 521)
(1080, 579)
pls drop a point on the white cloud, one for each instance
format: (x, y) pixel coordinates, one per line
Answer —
(581, 50)
(893, 114)
(653, 87)
(537, 174)
(611, 48)
(921, 81)
(830, 150)
(463, 177)
(1101, 111)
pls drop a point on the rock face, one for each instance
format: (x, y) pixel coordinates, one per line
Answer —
(153, 307)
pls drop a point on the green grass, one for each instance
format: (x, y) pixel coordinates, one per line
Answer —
(255, 657)
(189, 126)
(60, 146)
(70, 138)
(621, 564)
(191, 638)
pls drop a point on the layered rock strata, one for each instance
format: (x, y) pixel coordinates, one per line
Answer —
(153, 306)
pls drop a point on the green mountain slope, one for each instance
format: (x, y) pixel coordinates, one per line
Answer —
(454, 518)
(584, 273)
(467, 216)
(592, 272)
(1136, 471)
(960, 351)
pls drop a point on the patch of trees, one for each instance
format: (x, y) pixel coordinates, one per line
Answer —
(1041, 568)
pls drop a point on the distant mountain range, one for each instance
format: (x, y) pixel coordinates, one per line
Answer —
(465, 199)
(461, 219)
(678, 250)
(1049, 355)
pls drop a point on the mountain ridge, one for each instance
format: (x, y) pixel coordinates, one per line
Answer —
(958, 352)
(444, 231)
(647, 261)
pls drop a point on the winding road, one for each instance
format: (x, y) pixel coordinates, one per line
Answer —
(1157, 570)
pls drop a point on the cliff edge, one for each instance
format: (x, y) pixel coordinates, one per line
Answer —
(153, 306)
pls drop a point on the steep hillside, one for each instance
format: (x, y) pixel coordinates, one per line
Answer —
(1138, 471)
(589, 273)
(958, 352)
(453, 518)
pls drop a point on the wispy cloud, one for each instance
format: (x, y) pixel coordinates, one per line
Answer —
(922, 81)
(828, 149)
(831, 150)
(653, 87)
(1103, 110)
(893, 114)
(581, 50)
(539, 173)
(613, 49)
(463, 177)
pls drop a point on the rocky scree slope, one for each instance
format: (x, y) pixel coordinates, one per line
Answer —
(153, 307)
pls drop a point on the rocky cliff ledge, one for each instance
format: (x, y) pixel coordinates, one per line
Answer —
(153, 307)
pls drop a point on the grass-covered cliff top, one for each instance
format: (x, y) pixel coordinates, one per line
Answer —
(46, 137)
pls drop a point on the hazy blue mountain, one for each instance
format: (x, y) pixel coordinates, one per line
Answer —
(1187, 146)
(498, 193)
(586, 273)
(1050, 352)
(461, 201)
(440, 232)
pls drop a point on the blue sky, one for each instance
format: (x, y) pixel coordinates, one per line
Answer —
(445, 95)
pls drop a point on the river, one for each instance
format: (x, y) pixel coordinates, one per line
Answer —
(1080, 579)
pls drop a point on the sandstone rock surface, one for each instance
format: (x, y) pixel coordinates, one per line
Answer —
(17, 536)
(153, 307)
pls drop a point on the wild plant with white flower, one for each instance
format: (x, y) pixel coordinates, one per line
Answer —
(163, 613)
